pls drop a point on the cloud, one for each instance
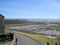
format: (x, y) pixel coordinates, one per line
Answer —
(16, 4)
(11, 4)
(56, 5)
(2, 8)
(50, 4)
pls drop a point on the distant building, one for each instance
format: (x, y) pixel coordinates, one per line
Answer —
(54, 25)
(2, 25)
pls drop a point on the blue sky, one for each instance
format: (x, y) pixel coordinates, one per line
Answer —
(30, 9)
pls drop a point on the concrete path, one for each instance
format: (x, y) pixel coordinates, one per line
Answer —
(23, 40)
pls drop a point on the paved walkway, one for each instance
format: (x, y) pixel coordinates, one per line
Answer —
(23, 40)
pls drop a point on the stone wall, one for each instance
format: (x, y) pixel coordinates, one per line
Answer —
(2, 25)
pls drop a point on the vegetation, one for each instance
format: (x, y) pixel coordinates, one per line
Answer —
(3, 33)
(13, 21)
(4, 41)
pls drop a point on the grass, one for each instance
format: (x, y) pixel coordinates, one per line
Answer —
(4, 41)
(40, 38)
(11, 25)
(3, 33)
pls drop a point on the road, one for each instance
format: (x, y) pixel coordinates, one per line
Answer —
(23, 40)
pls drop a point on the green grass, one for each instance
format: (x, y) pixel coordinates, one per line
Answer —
(3, 33)
(4, 41)
(12, 25)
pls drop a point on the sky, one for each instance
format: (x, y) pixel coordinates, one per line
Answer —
(30, 9)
